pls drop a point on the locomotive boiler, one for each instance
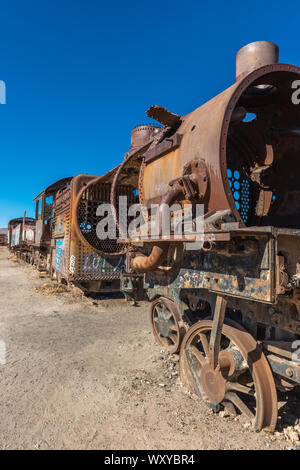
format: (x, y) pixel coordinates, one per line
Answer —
(231, 305)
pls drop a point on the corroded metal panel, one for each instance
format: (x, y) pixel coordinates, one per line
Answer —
(87, 265)
(246, 273)
(15, 236)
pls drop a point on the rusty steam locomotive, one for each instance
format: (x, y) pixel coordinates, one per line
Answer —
(231, 305)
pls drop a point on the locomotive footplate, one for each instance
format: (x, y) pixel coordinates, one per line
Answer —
(242, 267)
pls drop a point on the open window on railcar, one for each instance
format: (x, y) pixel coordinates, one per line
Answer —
(48, 209)
(38, 209)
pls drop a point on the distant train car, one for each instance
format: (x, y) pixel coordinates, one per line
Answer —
(3, 236)
(62, 239)
(44, 224)
(21, 233)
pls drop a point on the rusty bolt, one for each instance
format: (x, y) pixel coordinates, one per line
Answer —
(289, 372)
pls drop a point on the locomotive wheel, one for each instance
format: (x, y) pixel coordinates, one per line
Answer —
(242, 376)
(167, 326)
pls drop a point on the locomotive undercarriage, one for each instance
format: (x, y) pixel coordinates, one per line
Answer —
(37, 257)
(233, 315)
(230, 307)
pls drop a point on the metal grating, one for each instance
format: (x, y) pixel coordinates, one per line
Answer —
(91, 199)
(241, 191)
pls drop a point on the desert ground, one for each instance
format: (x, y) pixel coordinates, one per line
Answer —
(86, 373)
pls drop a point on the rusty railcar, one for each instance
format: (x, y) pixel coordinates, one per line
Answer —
(62, 239)
(229, 304)
(3, 236)
(78, 255)
(21, 233)
(44, 224)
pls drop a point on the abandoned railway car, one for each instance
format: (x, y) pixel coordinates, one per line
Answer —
(44, 224)
(77, 253)
(3, 236)
(62, 238)
(230, 304)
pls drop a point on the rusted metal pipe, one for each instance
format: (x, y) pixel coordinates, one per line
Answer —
(143, 264)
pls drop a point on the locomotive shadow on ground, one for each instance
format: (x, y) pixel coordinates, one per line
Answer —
(98, 296)
(104, 295)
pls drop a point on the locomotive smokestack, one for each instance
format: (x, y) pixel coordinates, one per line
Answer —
(255, 55)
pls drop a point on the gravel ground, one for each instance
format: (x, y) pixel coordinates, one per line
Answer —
(82, 373)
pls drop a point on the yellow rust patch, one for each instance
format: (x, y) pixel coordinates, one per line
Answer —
(160, 172)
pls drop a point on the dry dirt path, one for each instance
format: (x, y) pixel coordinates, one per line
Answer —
(88, 376)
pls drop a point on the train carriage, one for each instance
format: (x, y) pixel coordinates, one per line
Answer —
(62, 239)
(77, 253)
(21, 233)
(66, 243)
(44, 224)
(3, 236)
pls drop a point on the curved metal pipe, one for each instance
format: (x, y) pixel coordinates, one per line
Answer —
(142, 263)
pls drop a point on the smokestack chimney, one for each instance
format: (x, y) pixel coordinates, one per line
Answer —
(255, 55)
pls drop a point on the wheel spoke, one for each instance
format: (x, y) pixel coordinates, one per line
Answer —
(240, 388)
(197, 354)
(164, 340)
(204, 342)
(216, 330)
(173, 337)
(235, 399)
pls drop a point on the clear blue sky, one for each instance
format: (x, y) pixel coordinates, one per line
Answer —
(81, 73)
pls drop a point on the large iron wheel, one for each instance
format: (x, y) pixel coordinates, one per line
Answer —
(242, 378)
(166, 324)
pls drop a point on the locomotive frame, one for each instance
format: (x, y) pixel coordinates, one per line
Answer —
(231, 306)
